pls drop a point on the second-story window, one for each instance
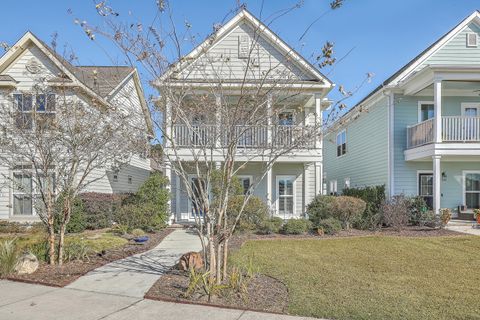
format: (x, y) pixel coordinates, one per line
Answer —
(427, 111)
(286, 118)
(39, 114)
(341, 143)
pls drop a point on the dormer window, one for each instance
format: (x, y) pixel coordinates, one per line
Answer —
(472, 41)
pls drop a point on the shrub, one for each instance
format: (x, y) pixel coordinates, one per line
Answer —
(347, 209)
(254, 214)
(137, 232)
(11, 227)
(320, 208)
(330, 225)
(77, 221)
(445, 216)
(8, 257)
(272, 225)
(148, 208)
(76, 250)
(39, 250)
(99, 209)
(419, 214)
(396, 212)
(296, 226)
(374, 196)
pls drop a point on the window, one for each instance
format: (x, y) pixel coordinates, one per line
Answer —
(129, 179)
(425, 188)
(426, 110)
(243, 46)
(286, 118)
(341, 143)
(22, 193)
(246, 182)
(347, 183)
(286, 195)
(472, 190)
(472, 40)
(115, 177)
(43, 112)
(333, 187)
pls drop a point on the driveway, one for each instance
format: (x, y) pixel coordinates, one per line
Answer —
(22, 301)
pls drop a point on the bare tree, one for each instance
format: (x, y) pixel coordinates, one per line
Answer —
(215, 127)
(57, 141)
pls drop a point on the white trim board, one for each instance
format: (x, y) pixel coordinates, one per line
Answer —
(277, 196)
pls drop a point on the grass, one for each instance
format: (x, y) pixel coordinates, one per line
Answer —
(378, 277)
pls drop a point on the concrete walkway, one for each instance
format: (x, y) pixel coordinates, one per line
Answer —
(22, 301)
(463, 227)
(135, 275)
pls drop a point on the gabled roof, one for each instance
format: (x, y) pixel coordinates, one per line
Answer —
(413, 64)
(245, 15)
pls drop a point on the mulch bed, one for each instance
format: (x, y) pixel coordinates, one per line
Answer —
(237, 240)
(265, 293)
(57, 276)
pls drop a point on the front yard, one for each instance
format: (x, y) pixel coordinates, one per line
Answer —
(374, 277)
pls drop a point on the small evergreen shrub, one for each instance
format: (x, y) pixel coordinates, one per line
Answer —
(347, 209)
(253, 216)
(99, 209)
(419, 213)
(77, 221)
(373, 196)
(297, 226)
(11, 227)
(330, 225)
(271, 225)
(396, 212)
(320, 208)
(137, 232)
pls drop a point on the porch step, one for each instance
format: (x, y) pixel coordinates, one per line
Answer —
(466, 216)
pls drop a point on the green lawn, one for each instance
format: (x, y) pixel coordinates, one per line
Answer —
(378, 277)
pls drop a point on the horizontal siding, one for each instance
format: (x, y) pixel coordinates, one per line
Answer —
(4, 193)
(221, 61)
(366, 160)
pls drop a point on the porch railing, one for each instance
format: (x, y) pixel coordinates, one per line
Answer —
(254, 136)
(454, 129)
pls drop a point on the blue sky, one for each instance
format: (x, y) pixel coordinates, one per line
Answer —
(383, 35)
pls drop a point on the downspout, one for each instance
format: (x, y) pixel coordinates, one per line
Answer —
(391, 133)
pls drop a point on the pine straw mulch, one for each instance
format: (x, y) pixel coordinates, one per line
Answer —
(264, 293)
(57, 276)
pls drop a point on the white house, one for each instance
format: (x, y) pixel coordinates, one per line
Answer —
(418, 133)
(29, 59)
(223, 64)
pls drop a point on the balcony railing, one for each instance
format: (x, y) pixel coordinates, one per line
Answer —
(255, 136)
(454, 129)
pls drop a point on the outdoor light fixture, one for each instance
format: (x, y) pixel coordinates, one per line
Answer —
(444, 176)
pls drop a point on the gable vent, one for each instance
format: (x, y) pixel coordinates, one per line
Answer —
(243, 46)
(472, 40)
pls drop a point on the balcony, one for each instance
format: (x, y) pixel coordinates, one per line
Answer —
(455, 129)
(252, 136)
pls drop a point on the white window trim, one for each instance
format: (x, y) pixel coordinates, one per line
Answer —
(250, 177)
(347, 179)
(333, 186)
(420, 103)
(419, 172)
(468, 36)
(277, 197)
(336, 143)
(464, 181)
(465, 105)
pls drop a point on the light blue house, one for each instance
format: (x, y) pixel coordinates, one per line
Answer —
(418, 133)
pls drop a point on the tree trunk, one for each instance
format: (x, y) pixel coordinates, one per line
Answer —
(211, 249)
(225, 258)
(218, 271)
(51, 239)
(63, 226)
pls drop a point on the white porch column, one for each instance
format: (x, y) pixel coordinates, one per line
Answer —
(318, 119)
(437, 179)
(168, 124)
(269, 187)
(168, 174)
(437, 98)
(178, 187)
(269, 119)
(318, 178)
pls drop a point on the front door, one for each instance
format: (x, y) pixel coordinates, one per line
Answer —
(425, 188)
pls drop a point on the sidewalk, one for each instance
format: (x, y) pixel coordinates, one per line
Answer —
(21, 301)
(463, 227)
(135, 275)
